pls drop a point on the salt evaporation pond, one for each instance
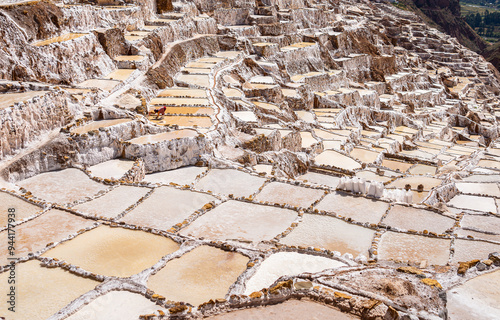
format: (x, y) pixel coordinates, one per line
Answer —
(409, 218)
(62, 186)
(330, 233)
(364, 155)
(183, 92)
(61, 38)
(484, 204)
(8, 99)
(115, 252)
(24, 209)
(320, 179)
(199, 275)
(181, 176)
(113, 203)
(112, 169)
(230, 181)
(289, 310)
(489, 189)
(241, 221)
(408, 247)
(357, 208)
(466, 250)
(414, 182)
(32, 236)
(119, 305)
(287, 264)
(58, 287)
(478, 298)
(96, 125)
(164, 136)
(283, 193)
(166, 207)
(336, 159)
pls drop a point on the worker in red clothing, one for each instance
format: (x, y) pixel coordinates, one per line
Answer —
(160, 112)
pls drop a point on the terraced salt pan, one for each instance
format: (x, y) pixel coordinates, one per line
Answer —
(330, 233)
(287, 264)
(372, 176)
(489, 164)
(120, 74)
(62, 186)
(363, 155)
(409, 218)
(242, 221)
(474, 203)
(466, 250)
(246, 116)
(114, 202)
(61, 38)
(289, 310)
(423, 169)
(482, 178)
(232, 93)
(358, 208)
(174, 101)
(336, 159)
(183, 92)
(115, 251)
(489, 189)
(57, 287)
(184, 121)
(427, 182)
(396, 165)
(181, 176)
(9, 99)
(99, 124)
(166, 207)
(123, 305)
(408, 247)
(164, 136)
(263, 168)
(478, 298)
(189, 110)
(481, 223)
(24, 209)
(112, 169)
(321, 179)
(32, 236)
(199, 275)
(194, 79)
(283, 193)
(229, 181)
(307, 139)
(306, 116)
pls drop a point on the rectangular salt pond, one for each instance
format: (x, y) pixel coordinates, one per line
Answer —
(183, 121)
(467, 250)
(112, 169)
(414, 182)
(95, 125)
(409, 218)
(164, 136)
(24, 209)
(113, 203)
(115, 251)
(41, 292)
(307, 139)
(62, 186)
(230, 181)
(200, 111)
(396, 165)
(166, 207)
(183, 92)
(241, 221)
(409, 247)
(364, 155)
(423, 169)
(477, 203)
(194, 79)
(336, 159)
(199, 275)
(120, 74)
(489, 189)
(332, 234)
(174, 101)
(181, 176)
(61, 38)
(245, 116)
(357, 208)
(9, 99)
(321, 179)
(283, 193)
(34, 235)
